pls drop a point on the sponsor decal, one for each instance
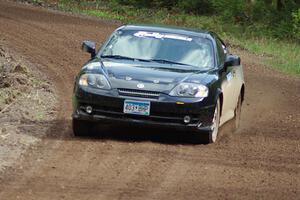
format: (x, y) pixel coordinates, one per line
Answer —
(162, 35)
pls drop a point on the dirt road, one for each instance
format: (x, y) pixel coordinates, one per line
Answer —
(261, 161)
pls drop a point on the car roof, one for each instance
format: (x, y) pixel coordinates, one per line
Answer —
(168, 29)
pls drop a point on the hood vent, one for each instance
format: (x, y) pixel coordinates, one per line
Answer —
(139, 93)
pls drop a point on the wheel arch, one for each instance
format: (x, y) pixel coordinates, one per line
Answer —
(221, 103)
(220, 96)
(242, 92)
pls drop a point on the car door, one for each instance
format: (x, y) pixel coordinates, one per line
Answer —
(237, 78)
(227, 75)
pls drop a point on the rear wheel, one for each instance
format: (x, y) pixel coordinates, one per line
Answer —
(82, 128)
(237, 113)
(211, 136)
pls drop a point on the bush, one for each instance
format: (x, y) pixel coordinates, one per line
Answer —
(229, 9)
(296, 24)
(271, 18)
(196, 6)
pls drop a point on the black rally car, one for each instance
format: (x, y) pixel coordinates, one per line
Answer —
(163, 76)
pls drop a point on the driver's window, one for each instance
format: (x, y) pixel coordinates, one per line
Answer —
(221, 51)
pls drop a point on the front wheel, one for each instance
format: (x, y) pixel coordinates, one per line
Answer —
(211, 136)
(81, 128)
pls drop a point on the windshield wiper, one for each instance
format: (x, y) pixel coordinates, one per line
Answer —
(125, 58)
(144, 60)
(167, 62)
(117, 57)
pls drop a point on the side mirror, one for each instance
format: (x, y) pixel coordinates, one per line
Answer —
(232, 60)
(90, 47)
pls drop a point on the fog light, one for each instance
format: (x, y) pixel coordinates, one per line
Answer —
(89, 109)
(187, 119)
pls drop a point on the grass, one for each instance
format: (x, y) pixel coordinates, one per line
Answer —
(8, 95)
(282, 55)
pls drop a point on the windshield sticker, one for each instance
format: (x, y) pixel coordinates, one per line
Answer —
(162, 35)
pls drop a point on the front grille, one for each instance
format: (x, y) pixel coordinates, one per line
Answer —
(139, 93)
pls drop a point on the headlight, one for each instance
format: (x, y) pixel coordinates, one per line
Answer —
(190, 90)
(94, 80)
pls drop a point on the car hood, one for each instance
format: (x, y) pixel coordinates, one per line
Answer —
(152, 76)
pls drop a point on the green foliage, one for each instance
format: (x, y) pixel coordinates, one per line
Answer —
(147, 3)
(258, 27)
(196, 7)
(296, 23)
(229, 9)
(273, 18)
(138, 3)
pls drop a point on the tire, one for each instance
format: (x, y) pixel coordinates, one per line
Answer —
(81, 128)
(237, 113)
(211, 136)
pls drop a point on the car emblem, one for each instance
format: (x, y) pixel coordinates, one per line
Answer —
(128, 78)
(140, 85)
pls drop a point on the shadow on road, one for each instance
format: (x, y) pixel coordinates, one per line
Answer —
(146, 133)
(62, 130)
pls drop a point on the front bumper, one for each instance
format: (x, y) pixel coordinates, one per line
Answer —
(108, 107)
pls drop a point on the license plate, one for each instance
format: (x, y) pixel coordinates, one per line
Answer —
(137, 107)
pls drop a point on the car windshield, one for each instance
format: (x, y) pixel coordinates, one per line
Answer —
(164, 48)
